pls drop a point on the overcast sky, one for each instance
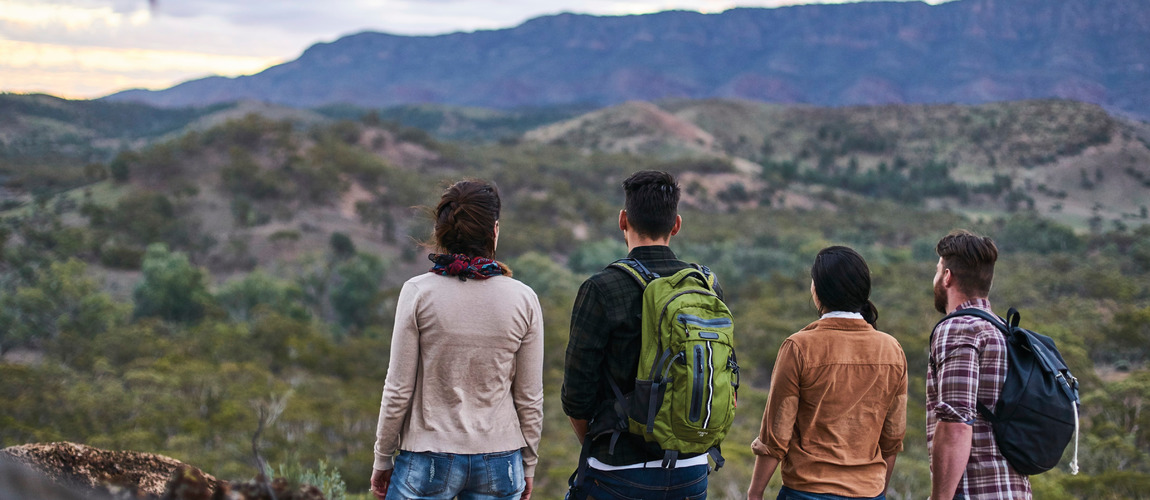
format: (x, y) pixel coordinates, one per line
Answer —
(90, 48)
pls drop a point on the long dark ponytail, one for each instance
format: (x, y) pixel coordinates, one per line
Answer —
(842, 282)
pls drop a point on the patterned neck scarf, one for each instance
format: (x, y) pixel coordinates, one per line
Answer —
(464, 267)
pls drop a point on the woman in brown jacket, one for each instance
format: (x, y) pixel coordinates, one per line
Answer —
(836, 414)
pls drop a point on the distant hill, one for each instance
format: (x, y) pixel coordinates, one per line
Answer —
(22, 113)
(965, 51)
(1070, 161)
(633, 127)
(49, 143)
(38, 126)
(463, 123)
(1066, 160)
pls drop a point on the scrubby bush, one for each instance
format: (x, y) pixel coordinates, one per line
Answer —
(329, 482)
(121, 166)
(243, 176)
(356, 294)
(121, 257)
(61, 301)
(171, 288)
(1030, 233)
(593, 256)
(341, 245)
(241, 297)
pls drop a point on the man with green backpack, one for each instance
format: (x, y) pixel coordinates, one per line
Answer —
(650, 377)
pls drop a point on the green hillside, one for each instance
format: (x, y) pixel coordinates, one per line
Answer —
(1064, 160)
(255, 263)
(49, 144)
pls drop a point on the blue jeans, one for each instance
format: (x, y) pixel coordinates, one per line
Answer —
(789, 494)
(657, 483)
(442, 476)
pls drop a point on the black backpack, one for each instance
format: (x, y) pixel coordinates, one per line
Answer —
(1037, 411)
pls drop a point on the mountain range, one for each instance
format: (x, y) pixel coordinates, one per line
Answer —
(964, 51)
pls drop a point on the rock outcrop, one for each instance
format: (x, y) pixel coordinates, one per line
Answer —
(70, 471)
(78, 466)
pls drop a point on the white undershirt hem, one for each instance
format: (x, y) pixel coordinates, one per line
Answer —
(686, 462)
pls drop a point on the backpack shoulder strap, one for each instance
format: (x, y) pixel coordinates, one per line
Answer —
(708, 276)
(636, 270)
(998, 322)
(1001, 324)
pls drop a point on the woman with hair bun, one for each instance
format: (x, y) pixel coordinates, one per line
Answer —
(462, 407)
(836, 413)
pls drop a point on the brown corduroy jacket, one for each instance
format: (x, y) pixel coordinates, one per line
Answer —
(837, 406)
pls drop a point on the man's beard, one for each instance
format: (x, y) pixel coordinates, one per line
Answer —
(939, 297)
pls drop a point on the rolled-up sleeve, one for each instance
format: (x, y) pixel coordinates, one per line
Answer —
(782, 408)
(957, 355)
(399, 386)
(586, 351)
(527, 388)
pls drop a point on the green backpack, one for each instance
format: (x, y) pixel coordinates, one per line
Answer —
(688, 379)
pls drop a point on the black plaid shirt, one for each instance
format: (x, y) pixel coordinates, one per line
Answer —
(606, 339)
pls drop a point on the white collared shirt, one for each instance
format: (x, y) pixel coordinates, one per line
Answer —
(842, 314)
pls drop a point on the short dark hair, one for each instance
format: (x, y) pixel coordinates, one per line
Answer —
(842, 282)
(970, 258)
(652, 202)
(465, 218)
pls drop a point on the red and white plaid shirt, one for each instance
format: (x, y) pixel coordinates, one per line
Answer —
(967, 366)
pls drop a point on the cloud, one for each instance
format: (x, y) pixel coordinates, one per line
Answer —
(73, 71)
(28, 56)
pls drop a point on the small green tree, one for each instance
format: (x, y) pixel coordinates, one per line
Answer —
(143, 217)
(341, 245)
(1030, 233)
(356, 293)
(241, 297)
(171, 287)
(121, 166)
(547, 277)
(61, 300)
(593, 256)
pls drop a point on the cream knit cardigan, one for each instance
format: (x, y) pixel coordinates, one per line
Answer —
(466, 370)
